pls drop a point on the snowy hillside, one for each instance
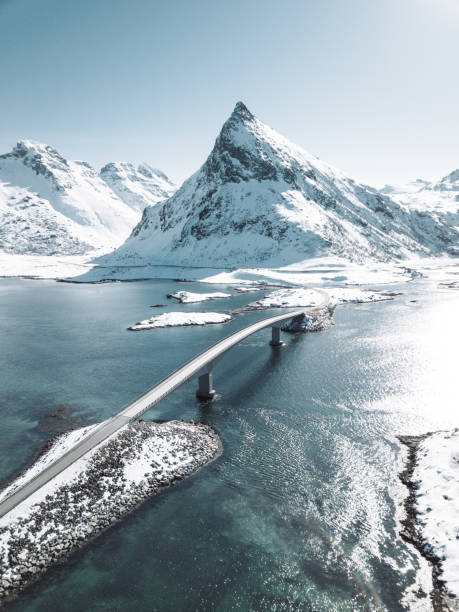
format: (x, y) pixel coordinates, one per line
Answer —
(49, 205)
(138, 187)
(438, 199)
(261, 200)
(30, 225)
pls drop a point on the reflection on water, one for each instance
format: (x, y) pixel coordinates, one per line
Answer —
(422, 353)
(300, 511)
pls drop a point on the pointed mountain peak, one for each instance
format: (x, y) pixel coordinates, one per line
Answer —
(248, 149)
(241, 112)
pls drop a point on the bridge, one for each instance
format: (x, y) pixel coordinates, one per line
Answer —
(200, 366)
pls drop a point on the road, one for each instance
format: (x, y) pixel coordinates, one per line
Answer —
(107, 428)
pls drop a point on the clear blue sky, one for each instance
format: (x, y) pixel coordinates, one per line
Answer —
(370, 86)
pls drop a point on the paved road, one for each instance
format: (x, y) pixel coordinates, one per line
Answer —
(107, 428)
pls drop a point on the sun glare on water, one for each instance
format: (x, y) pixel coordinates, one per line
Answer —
(422, 356)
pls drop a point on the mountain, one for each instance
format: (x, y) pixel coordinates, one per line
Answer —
(49, 205)
(29, 225)
(138, 187)
(261, 200)
(439, 199)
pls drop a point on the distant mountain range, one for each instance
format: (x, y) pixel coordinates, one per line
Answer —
(261, 200)
(52, 206)
(440, 199)
(258, 200)
(138, 187)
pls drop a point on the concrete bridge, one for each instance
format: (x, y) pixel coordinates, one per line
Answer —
(200, 366)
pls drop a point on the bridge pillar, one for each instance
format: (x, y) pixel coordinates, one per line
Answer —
(205, 391)
(276, 337)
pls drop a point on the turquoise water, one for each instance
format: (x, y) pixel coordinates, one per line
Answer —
(299, 512)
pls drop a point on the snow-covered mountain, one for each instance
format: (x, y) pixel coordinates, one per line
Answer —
(261, 200)
(50, 205)
(439, 199)
(138, 187)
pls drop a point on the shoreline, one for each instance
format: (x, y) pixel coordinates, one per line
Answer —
(410, 532)
(118, 477)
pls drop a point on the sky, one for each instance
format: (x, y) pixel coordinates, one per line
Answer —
(370, 86)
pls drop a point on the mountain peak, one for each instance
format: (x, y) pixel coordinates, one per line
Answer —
(241, 112)
(37, 155)
(452, 176)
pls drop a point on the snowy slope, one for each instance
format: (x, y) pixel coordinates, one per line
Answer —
(438, 199)
(50, 205)
(437, 501)
(29, 225)
(138, 187)
(261, 200)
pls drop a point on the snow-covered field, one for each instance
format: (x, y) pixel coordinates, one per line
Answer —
(187, 297)
(437, 501)
(321, 272)
(95, 492)
(174, 319)
(44, 266)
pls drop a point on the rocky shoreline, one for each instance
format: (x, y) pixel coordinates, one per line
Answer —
(143, 459)
(316, 320)
(440, 597)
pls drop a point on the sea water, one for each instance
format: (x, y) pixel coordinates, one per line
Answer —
(301, 510)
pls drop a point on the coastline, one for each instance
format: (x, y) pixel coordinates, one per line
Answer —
(411, 533)
(118, 477)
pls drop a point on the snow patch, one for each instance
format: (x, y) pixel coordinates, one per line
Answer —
(174, 319)
(186, 297)
(437, 500)
(304, 298)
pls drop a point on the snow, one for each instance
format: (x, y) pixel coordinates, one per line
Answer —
(46, 266)
(289, 298)
(95, 492)
(299, 298)
(62, 444)
(69, 192)
(186, 297)
(432, 200)
(437, 501)
(138, 187)
(174, 319)
(441, 197)
(50, 205)
(260, 200)
(350, 295)
(250, 288)
(318, 272)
